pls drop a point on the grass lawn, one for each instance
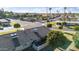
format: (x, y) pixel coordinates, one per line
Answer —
(7, 32)
(76, 28)
(53, 23)
(12, 23)
(67, 40)
(66, 44)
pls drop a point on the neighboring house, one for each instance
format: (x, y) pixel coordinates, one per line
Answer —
(55, 18)
(68, 23)
(4, 23)
(22, 40)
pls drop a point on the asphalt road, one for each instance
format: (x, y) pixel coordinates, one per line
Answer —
(28, 25)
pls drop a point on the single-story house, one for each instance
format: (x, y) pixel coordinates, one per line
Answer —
(4, 23)
(22, 39)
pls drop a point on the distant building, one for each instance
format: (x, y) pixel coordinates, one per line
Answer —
(29, 19)
(4, 23)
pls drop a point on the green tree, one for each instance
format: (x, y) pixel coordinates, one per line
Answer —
(50, 9)
(61, 27)
(49, 25)
(55, 38)
(76, 39)
(1, 13)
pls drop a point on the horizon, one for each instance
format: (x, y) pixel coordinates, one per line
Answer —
(41, 9)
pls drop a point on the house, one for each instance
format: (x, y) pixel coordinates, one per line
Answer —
(22, 39)
(4, 23)
(31, 35)
(6, 43)
(41, 33)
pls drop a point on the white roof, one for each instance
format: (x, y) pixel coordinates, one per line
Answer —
(3, 20)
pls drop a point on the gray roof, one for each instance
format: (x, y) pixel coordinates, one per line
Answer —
(28, 35)
(6, 43)
(25, 38)
(42, 31)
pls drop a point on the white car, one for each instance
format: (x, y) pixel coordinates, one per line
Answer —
(14, 34)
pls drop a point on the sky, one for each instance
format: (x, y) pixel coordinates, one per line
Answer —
(41, 9)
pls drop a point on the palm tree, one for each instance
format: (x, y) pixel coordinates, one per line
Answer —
(69, 14)
(58, 13)
(65, 12)
(64, 17)
(65, 9)
(47, 14)
(2, 13)
(50, 11)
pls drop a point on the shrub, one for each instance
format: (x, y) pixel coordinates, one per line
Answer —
(49, 25)
(58, 23)
(17, 25)
(61, 27)
(55, 38)
(64, 23)
(76, 28)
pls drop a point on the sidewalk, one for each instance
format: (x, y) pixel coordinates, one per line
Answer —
(9, 30)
